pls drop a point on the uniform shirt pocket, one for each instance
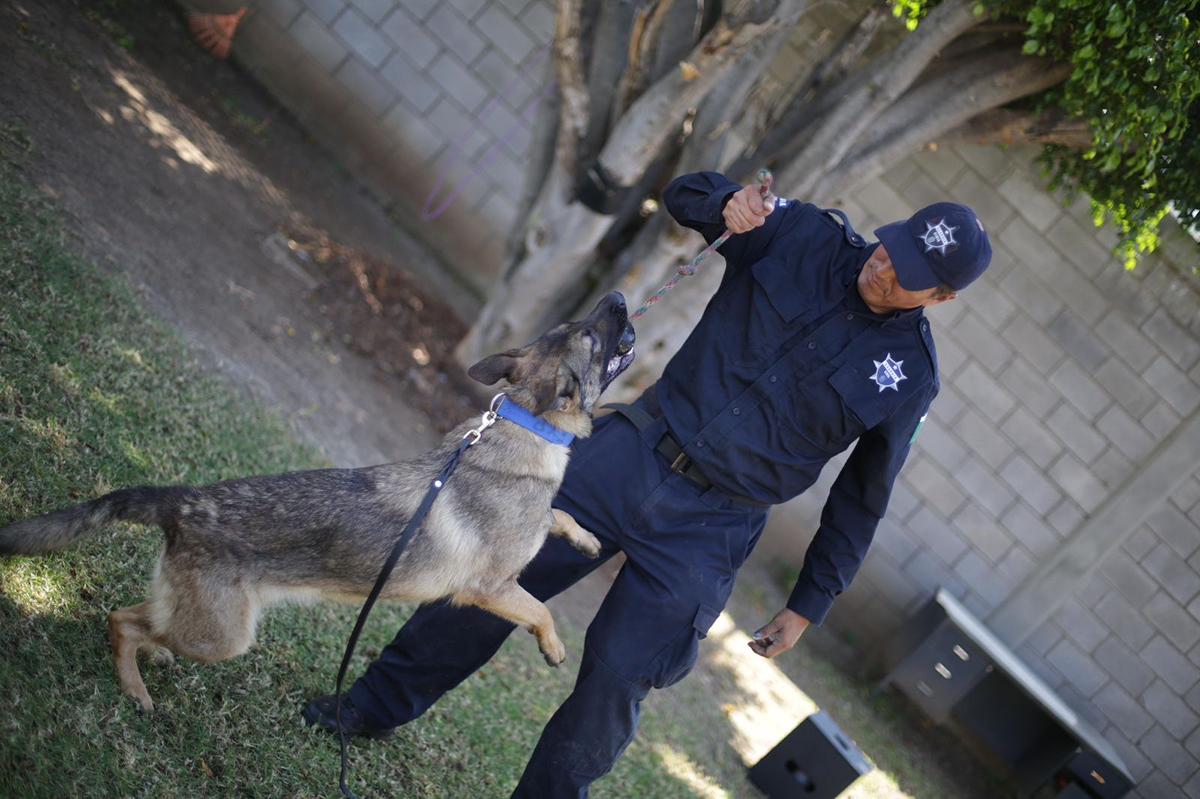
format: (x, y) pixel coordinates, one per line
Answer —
(828, 413)
(860, 395)
(779, 282)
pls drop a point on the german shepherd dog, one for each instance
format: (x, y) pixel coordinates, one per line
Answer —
(233, 548)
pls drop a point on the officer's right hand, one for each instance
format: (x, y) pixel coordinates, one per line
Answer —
(746, 210)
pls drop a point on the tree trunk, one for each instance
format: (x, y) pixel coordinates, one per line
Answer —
(563, 232)
(558, 248)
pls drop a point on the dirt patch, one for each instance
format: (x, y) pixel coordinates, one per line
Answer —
(383, 314)
(176, 171)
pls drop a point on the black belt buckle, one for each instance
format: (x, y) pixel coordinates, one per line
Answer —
(680, 464)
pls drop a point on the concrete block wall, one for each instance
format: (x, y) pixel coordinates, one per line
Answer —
(1061, 375)
(430, 104)
(1126, 647)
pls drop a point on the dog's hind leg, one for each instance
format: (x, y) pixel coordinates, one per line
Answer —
(511, 601)
(563, 524)
(203, 617)
(128, 631)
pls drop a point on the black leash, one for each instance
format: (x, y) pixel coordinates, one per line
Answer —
(409, 531)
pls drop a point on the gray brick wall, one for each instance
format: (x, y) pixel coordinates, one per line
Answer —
(1062, 374)
(430, 104)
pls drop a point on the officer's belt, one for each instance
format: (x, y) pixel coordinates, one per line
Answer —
(669, 447)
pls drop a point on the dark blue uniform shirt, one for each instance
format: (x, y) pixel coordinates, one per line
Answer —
(788, 367)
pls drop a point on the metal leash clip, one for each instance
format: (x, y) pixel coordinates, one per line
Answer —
(487, 420)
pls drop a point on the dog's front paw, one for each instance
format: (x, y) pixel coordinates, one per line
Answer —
(587, 543)
(145, 705)
(553, 650)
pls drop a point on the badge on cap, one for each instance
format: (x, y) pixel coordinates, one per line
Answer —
(939, 237)
(887, 373)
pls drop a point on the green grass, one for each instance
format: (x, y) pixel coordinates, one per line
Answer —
(95, 395)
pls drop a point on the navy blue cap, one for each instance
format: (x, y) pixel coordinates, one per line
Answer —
(943, 243)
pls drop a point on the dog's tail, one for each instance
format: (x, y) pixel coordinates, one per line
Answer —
(62, 528)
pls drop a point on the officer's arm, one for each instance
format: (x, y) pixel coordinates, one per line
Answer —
(856, 503)
(697, 200)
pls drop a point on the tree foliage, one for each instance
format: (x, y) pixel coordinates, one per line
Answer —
(1135, 79)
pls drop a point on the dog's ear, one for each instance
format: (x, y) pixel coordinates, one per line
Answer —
(495, 367)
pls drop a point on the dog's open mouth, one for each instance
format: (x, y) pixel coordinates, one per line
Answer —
(623, 356)
(616, 365)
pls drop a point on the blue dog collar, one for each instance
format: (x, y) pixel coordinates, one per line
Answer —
(518, 415)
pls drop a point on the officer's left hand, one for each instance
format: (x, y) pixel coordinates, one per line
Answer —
(779, 634)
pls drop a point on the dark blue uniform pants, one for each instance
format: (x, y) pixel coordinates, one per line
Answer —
(683, 545)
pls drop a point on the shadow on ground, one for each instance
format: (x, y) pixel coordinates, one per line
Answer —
(166, 182)
(736, 706)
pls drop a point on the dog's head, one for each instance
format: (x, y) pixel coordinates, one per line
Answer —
(565, 370)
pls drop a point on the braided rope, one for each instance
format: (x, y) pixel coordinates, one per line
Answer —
(764, 189)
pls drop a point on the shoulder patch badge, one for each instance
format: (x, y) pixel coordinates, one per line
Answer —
(887, 373)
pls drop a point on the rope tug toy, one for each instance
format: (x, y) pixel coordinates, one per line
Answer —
(764, 189)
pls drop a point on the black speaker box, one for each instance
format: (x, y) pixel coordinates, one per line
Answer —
(815, 761)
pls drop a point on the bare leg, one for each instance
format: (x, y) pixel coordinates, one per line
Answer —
(564, 525)
(514, 603)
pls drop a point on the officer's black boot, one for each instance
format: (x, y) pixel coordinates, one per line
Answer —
(322, 712)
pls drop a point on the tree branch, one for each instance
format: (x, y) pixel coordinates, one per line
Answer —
(568, 65)
(1005, 126)
(779, 139)
(839, 130)
(654, 117)
(939, 104)
(614, 26)
(642, 43)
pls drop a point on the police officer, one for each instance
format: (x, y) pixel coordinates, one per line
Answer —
(813, 341)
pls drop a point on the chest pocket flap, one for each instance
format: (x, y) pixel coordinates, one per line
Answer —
(864, 397)
(779, 280)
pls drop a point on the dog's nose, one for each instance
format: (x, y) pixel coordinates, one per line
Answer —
(618, 301)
